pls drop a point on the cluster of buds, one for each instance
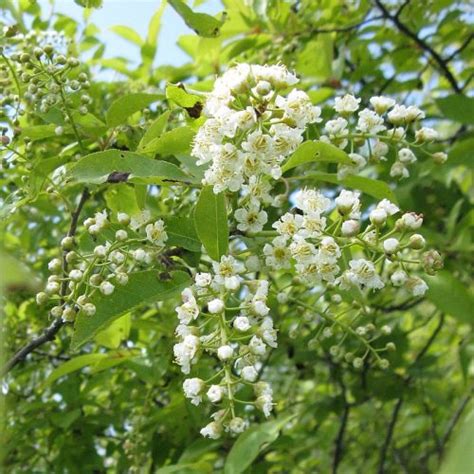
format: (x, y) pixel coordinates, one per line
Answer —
(224, 316)
(80, 275)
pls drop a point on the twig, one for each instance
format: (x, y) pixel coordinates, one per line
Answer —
(461, 48)
(339, 443)
(422, 44)
(50, 332)
(398, 405)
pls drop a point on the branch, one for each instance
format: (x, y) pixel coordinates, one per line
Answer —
(345, 29)
(398, 405)
(461, 48)
(422, 44)
(50, 332)
(339, 443)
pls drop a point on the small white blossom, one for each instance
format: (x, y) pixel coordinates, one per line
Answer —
(216, 306)
(225, 352)
(241, 323)
(215, 393)
(347, 104)
(192, 389)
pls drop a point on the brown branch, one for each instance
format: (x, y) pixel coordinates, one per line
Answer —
(461, 48)
(398, 405)
(50, 332)
(422, 44)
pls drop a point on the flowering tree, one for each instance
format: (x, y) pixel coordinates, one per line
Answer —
(254, 262)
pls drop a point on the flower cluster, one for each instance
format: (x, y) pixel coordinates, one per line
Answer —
(370, 133)
(225, 316)
(384, 252)
(130, 243)
(252, 126)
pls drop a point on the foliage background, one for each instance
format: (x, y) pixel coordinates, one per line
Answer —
(122, 409)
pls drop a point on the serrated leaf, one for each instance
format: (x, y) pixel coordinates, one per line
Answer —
(128, 34)
(457, 107)
(181, 232)
(127, 105)
(155, 130)
(173, 142)
(97, 167)
(451, 296)
(372, 187)
(201, 23)
(210, 222)
(250, 443)
(143, 288)
(314, 151)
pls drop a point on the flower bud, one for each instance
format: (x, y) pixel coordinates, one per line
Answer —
(410, 221)
(216, 306)
(439, 158)
(386, 330)
(41, 298)
(123, 218)
(75, 275)
(432, 262)
(89, 309)
(67, 243)
(417, 242)
(59, 131)
(237, 425)
(241, 323)
(106, 288)
(121, 278)
(56, 311)
(398, 278)
(378, 217)
(68, 314)
(100, 251)
(350, 228)
(391, 246)
(55, 265)
(215, 393)
(384, 364)
(52, 287)
(358, 362)
(391, 347)
(225, 352)
(249, 373)
(95, 279)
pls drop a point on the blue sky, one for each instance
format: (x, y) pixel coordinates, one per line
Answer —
(135, 14)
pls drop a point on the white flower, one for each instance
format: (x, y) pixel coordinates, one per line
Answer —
(156, 234)
(203, 279)
(259, 307)
(288, 224)
(328, 251)
(241, 323)
(285, 139)
(225, 352)
(391, 245)
(277, 253)
(192, 389)
(347, 104)
(216, 306)
(406, 156)
(265, 403)
(226, 270)
(398, 278)
(389, 207)
(302, 251)
(378, 216)
(106, 288)
(249, 373)
(189, 310)
(259, 144)
(298, 108)
(250, 219)
(370, 122)
(213, 430)
(426, 134)
(411, 221)
(139, 220)
(311, 201)
(399, 170)
(140, 255)
(350, 228)
(379, 149)
(363, 273)
(381, 104)
(237, 425)
(257, 346)
(215, 393)
(402, 114)
(185, 352)
(416, 286)
(121, 278)
(269, 334)
(348, 204)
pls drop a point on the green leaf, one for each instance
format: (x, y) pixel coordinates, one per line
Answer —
(148, 50)
(181, 97)
(461, 153)
(181, 232)
(89, 3)
(250, 443)
(72, 365)
(203, 24)
(316, 151)
(143, 288)
(113, 335)
(97, 168)
(315, 59)
(210, 221)
(372, 187)
(127, 33)
(155, 130)
(127, 105)
(451, 296)
(173, 142)
(457, 107)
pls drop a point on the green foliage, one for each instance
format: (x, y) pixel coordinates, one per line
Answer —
(143, 287)
(103, 393)
(210, 222)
